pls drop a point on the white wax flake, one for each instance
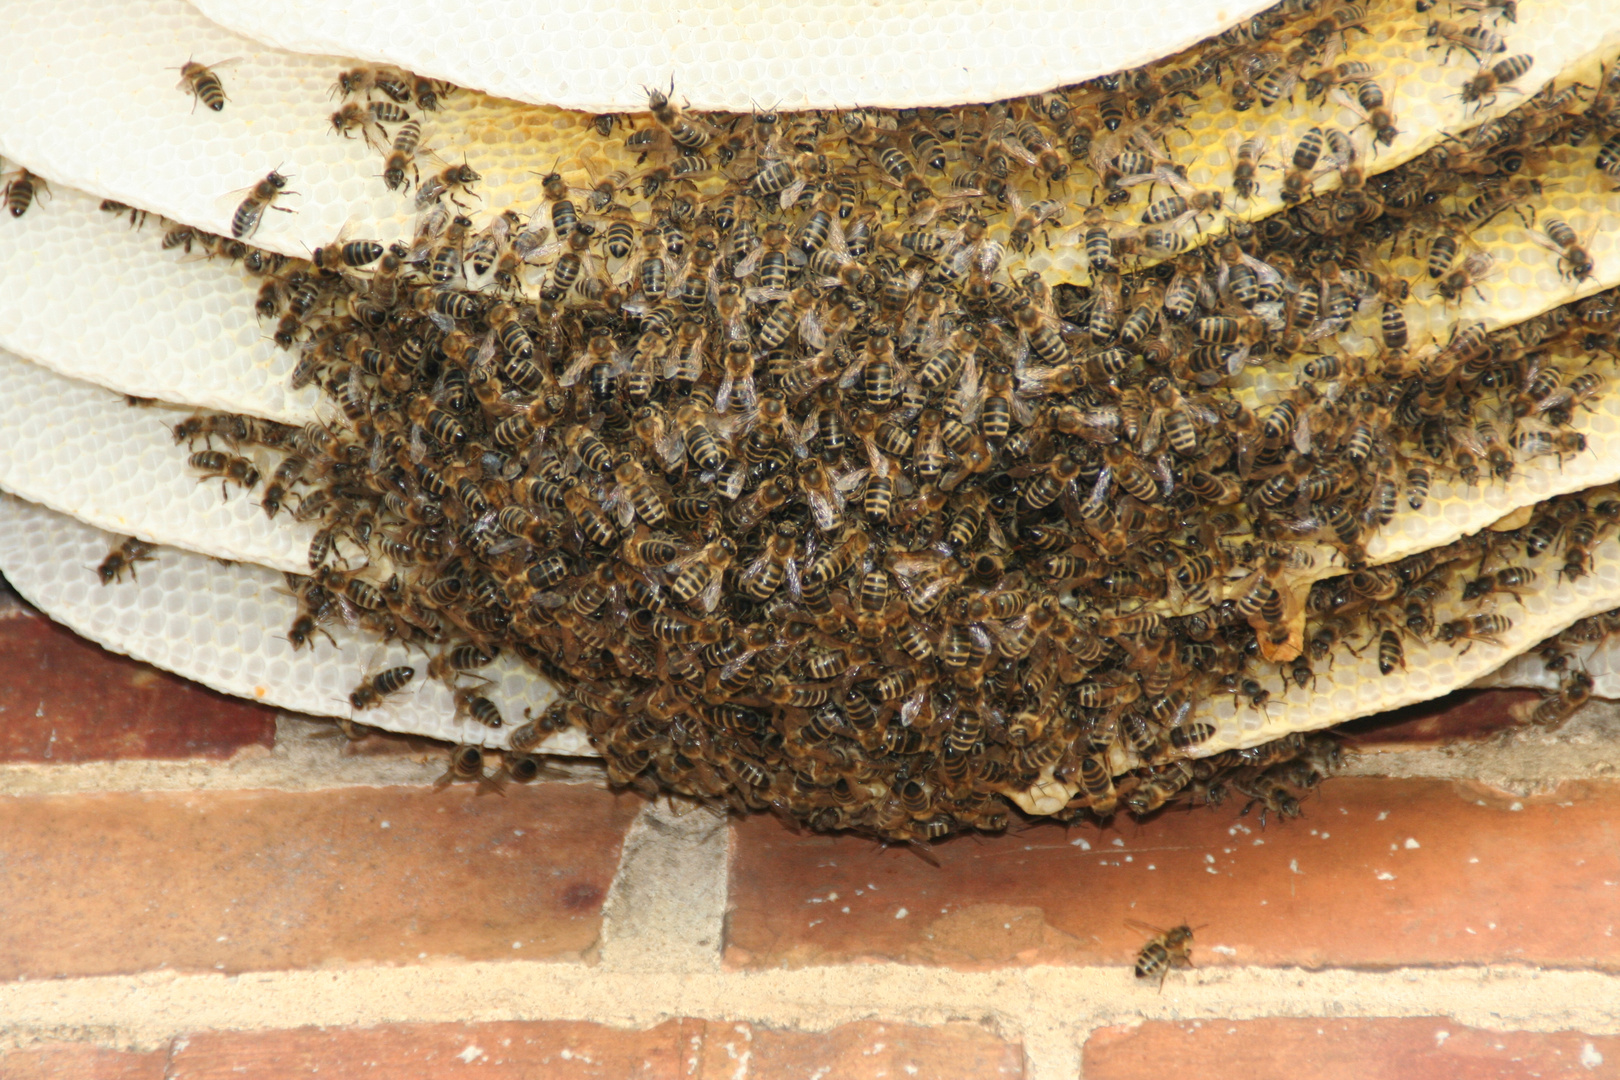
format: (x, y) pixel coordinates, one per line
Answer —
(1384, 875)
(901, 913)
(1081, 842)
(1590, 1058)
(1411, 844)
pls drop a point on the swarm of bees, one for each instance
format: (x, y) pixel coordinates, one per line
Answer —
(811, 501)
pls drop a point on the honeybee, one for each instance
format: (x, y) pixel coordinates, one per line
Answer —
(373, 690)
(1164, 950)
(1574, 258)
(263, 195)
(1475, 268)
(1026, 219)
(1474, 628)
(226, 468)
(466, 763)
(202, 83)
(683, 132)
(402, 156)
(1247, 161)
(124, 557)
(445, 184)
(475, 706)
(1297, 180)
(21, 189)
(1473, 40)
(1481, 90)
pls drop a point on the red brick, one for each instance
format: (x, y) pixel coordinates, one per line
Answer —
(567, 1050)
(1464, 714)
(1424, 1048)
(248, 880)
(1377, 873)
(64, 699)
(80, 1061)
(856, 1052)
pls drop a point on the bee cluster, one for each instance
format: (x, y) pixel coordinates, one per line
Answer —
(810, 500)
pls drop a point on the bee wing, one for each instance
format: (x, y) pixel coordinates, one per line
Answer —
(1467, 438)
(1265, 272)
(1167, 477)
(850, 479)
(822, 509)
(1099, 489)
(1146, 928)
(1302, 434)
(1152, 427)
(810, 329)
(750, 262)
(617, 502)
(1022, 411)
(790, 194)
(1101, 425)
(575, 369)
(709, 599)
(967, 386)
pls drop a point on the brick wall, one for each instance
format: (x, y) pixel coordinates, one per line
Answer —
(197, 887)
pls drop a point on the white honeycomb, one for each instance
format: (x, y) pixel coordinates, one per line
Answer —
(222, 626)
(1353, 687)
(278, 117)
(88, 296)
(1600, 660)
(597, 55)
(1569, 43)
(80, 450)
(112, 123)
(1455, 509)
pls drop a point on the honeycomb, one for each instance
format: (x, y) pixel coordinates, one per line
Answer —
(220, 625)
(153, 323)
(1568, 42)
(1438, 391)
(1353, 686)
(278, 117)
(80, 450)
(1587, 647)
(807, 54)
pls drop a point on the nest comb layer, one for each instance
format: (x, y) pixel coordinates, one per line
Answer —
(281, 107)
(222, 625)
(807, 54)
